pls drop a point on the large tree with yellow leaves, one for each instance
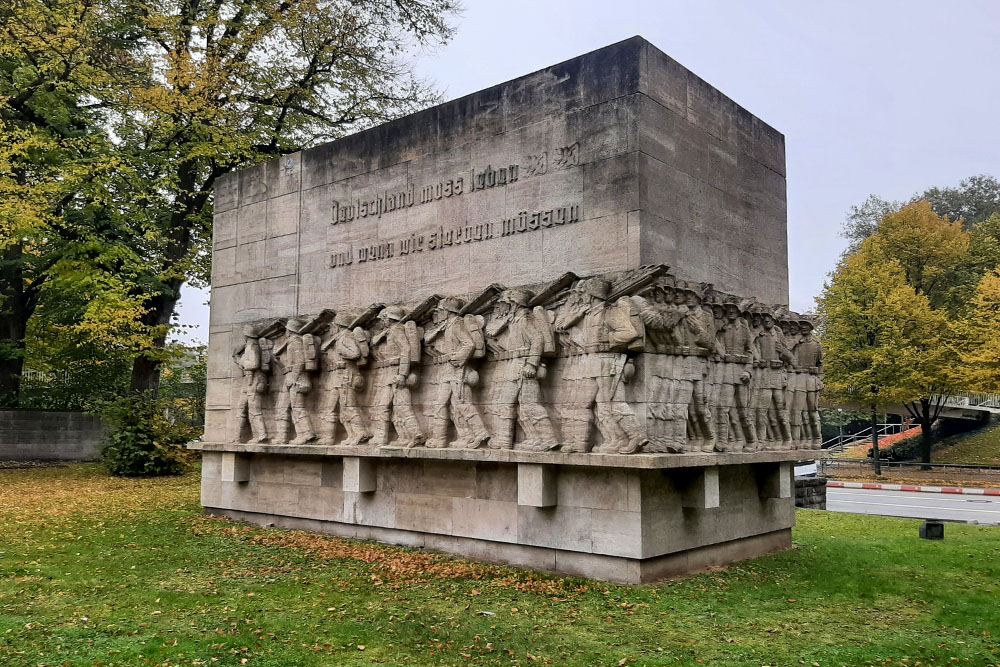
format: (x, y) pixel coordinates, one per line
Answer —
(118, 116)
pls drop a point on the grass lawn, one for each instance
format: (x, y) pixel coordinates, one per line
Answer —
(982, 448)
(95, 570)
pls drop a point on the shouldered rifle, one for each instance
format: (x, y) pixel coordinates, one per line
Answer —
(366, 318)
(548, 292)
(479, 303)
(635, 282)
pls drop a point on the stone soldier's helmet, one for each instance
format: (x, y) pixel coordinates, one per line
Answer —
(521, 297)
(597, 287)
(394, 313)
(294, 324)
(343, 319)
(251, 331)
(806, 322)
(452, 304)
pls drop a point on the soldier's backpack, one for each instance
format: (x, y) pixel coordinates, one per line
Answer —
(474, 324)
(361, 338)
(626, 325)
(413, 337)
(540, 318)
(264, 344)
(309, 352)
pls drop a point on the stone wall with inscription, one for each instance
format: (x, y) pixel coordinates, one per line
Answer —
(612, 160)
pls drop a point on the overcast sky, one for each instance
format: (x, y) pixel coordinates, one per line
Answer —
(876, 96)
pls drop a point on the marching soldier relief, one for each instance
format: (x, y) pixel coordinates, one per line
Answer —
(459, 331)
(544, 376)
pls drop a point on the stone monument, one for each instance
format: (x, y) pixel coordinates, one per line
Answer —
(540, 325)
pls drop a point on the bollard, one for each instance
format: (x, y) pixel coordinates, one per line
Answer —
(932, 530)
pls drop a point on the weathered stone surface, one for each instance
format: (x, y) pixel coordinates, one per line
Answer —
(459, 328)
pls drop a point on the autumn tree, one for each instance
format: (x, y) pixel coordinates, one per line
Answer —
(974, 200)
(236, 82)
(882, 340)
(55, 160)
(977, 337)
(119, 115)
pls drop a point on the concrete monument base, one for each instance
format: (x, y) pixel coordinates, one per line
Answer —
(629, 519)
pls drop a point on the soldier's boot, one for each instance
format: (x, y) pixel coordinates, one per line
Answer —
(258, 428)
(439, 433)
(544, 439)
(283, 430)
(380, 433)
(410, 432)
(816, 426)
(327, 431)
(762, 423)
(504, 437)
(541, 435)
(478, 435)
(576, 430)
(627, 422)
(721, 431)
(796, 434)
(358, 431)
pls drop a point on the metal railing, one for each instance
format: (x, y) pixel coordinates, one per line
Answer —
(839, 443)
(865, 465)
(973, 400)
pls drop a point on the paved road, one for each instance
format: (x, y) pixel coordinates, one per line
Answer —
(917, 505)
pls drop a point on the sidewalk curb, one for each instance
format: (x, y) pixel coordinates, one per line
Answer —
(909, 487)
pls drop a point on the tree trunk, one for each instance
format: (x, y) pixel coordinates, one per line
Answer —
(146, 367)
(17, 305)
(926, 414)
(876, 459)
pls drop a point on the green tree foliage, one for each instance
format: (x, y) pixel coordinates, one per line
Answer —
(886, 344)
(975, 200)
(55, 162)
(117, 117)
(977, 337)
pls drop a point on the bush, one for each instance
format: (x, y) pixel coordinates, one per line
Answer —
(143, 441)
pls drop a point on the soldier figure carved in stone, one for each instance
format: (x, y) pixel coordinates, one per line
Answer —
(344, 351)
(296, 355)
(809, 355)
(453, 342)
(396, 354)
(599, 335)
(660, 316)
(696, 334)
(734, 372)
(770, 410)
(254, 360)
(518, 337)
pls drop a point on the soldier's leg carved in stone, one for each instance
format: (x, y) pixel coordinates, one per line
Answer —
(534, 418)
(743, 416)
(255, 410)
(578, 414)
(327, 431)
(438, 416)
(502, 406)
(282, 418)
(381, 415)
(404, 419)
(354, 422)
(300, 418)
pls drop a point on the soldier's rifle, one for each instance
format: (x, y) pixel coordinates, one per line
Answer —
(319, 322)
(482, 301)
(417, 314)
(367, 317)
(551, 290)
(634, 283)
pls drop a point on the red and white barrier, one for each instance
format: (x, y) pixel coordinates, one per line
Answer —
(908, 487)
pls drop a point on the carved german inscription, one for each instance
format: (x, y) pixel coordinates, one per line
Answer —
(443, 237)
(387, 201)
